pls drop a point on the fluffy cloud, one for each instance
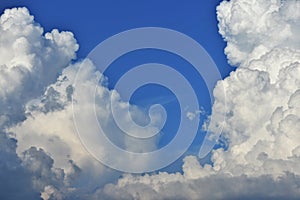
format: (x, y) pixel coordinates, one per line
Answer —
(55, 109)
(29, 60)
(262, 126)
(36, 97)
(189, 185)
(252, 28)
(261, 130)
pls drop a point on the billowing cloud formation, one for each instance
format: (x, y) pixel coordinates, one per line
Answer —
(192, 185)
(261, 131)
(36, 109)
(55, 110)
(30, 61)
(263, 114)
(253, 28)
(14, 177)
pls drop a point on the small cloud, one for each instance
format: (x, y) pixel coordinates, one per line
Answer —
(197, 113)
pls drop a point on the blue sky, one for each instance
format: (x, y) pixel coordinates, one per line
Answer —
(41, 155)
(94, 21)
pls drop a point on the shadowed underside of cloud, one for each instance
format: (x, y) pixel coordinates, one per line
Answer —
(261, 131)
(221, 186)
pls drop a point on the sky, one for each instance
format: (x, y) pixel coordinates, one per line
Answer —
(53, 99)
(94, 21)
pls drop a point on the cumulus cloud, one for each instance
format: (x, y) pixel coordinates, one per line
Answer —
(252, 28)
(30, 60)
(14, 177)
(36, 96)
(189, 185)
(261, 130)
(262, 126)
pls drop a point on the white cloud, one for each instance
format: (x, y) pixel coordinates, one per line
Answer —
(47, 141)
(185, 186)
(29, 60)
(261, 130)
(55, 110)
(262, 126)
(254, 27)
(192, 115)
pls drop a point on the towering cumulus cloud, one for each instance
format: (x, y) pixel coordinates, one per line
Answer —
(29, 62)
(262, 128)
(263, 114)
(44, 159)
(39, 143)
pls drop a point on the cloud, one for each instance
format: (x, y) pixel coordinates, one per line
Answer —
(37, 86)
(252, 28)
(261, 131)
(55, 109)
(262, 126)
(185, 186)
(29, 60)
(15, 179)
